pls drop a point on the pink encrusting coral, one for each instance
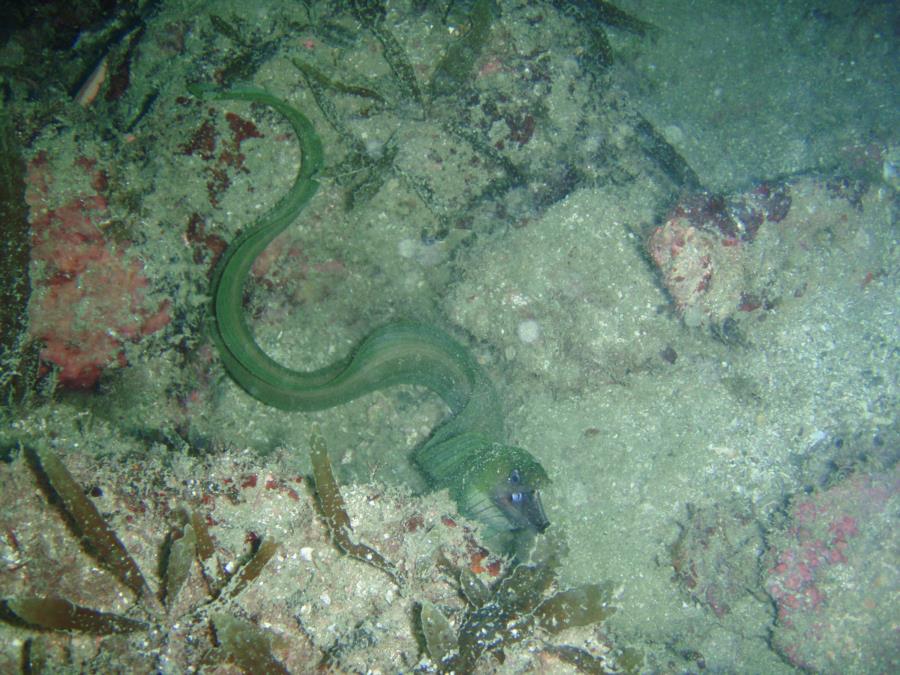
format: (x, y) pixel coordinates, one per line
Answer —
(88, 296)
(833, 579)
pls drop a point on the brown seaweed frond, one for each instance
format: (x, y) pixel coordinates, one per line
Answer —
(525, 603)
(251, 570)
(248, 646)
(180, 558)
(334, 512)
(94, 533)
(60, 614)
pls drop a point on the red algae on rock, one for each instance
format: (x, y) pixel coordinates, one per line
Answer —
(725, 257)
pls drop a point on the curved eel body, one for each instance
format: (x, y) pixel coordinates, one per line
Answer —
(490, 481)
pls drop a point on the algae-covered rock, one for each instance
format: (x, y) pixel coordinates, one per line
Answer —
(15, 253)
(585, 306)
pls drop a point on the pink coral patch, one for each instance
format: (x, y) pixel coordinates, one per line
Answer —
(88, 297)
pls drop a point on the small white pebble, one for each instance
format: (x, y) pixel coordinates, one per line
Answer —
(306, 553)
(406, 248)
(528, 331)
(325, 599)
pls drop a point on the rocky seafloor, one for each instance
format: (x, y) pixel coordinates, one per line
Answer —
(672, 244)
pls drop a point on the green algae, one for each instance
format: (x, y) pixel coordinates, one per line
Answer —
(440, 638)
(182, 552)
(18, 357)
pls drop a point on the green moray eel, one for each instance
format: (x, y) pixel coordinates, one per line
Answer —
(490, 481)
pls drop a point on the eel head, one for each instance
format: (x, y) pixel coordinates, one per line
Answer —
(501, 488)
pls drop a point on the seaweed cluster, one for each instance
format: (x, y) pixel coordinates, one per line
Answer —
(523, 602)
(198, 615)
(483, 92)
(156, 616)
(521, 605)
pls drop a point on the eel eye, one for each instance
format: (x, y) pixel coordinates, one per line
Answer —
(515, 477)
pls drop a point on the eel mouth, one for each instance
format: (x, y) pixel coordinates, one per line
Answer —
(520, 504)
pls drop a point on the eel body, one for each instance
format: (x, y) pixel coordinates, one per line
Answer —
(490, 481)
